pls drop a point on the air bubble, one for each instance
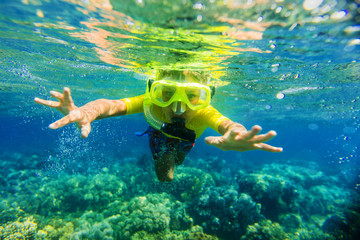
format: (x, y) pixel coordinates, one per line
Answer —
(280, 96)
(311, 4)
(199, 6)
(274, 69)
(278, 10)
(313, 126)
(39, 13)
(338, 15)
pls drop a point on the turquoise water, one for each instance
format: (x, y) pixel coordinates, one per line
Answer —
(290, 66)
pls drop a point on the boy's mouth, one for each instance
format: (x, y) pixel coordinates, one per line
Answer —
(177, 118)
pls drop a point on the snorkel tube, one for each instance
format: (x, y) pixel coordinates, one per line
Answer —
(176, 129)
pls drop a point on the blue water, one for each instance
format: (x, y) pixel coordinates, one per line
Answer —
(277, 64)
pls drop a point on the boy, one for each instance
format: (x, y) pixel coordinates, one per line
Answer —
(177, 107)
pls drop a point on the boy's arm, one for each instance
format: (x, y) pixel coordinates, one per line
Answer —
(84, 115)
(236, 137)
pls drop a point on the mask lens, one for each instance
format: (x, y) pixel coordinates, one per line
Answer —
(167, 93)
(163, 93)
(197, 97)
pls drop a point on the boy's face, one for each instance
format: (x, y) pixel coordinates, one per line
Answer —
(193, 96)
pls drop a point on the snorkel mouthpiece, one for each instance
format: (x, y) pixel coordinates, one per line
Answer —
(178, 107)
(177, 128)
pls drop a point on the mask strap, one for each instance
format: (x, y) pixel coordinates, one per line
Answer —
(150, 82)
(212, 88)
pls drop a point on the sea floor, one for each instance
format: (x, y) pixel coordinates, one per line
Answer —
(206, 200)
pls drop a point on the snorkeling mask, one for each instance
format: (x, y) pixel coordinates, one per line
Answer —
(193, 95)
(165, 92)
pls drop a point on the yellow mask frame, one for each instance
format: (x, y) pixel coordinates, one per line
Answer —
(164, 92)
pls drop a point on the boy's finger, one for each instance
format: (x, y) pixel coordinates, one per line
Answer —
(47, 103)
(253, 132)
(267, 147)
(62, 122)
(56, 95)
(264, 137)
(67, 96)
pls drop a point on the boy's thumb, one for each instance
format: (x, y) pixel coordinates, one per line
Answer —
(85, 130)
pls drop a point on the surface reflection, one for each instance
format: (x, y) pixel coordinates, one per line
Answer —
(206, 41)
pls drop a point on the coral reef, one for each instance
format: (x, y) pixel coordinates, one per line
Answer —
(215, 166)
(189, 182)
(141, 180)
(151, 213)
(194, 233)
(290, 221)
(206, 200)
(57, 230)
(10, 211)
(92, 225)
(265, 229)
(26, 229)
(77, 193)
(275, 194)
(283, 189)
(224, 211)
(345, 225)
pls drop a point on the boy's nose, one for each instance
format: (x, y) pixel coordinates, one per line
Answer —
(178, 107)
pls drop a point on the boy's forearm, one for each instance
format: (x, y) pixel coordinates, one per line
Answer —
(103, 108)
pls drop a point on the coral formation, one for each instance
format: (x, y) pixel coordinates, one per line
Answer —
(283, 189)
(77, 193)
(92, 225)
(9, 211)
(26, 229)
(58, 230)
(141, 180)
(290, 221)
(215, 166)
(189, 183)
(194, 233)
(265, 229)
(151, 213)
(275, 194)
(225, 211)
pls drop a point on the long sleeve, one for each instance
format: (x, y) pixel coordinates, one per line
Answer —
(134, 104)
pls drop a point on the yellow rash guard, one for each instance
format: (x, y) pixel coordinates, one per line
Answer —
(203, 118)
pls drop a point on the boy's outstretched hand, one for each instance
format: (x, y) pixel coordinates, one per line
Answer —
(67, 107)
(237, 138)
